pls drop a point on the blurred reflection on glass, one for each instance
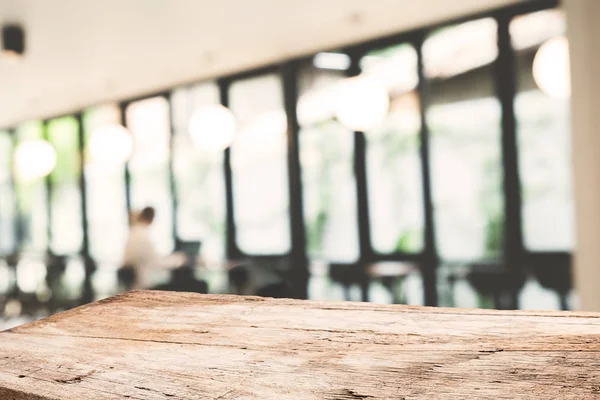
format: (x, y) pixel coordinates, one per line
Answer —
(259, 164)
(7, 196)
(105, 281)
(148, 122)
(65, 199)
(393, 158)
(105, 186)
(31, 275)
(464, 121)
(72, 279)
(7, 277)
(32, 198)
(326, 158)
(543, 137)
(199, 176)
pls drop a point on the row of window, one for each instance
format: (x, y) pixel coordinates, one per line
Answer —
(463, 116)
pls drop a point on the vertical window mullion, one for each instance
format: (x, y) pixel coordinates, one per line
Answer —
(430, 256)
(299, 258)
(506, 90)
(231, 249)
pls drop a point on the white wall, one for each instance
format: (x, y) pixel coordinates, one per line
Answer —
(584, 32)
(81, 52)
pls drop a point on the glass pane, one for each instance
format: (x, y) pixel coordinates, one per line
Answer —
(393, 158)
(65, 199)
(32, 198)
(199, 177)
(105, 187)
(149, 122)
(543, 131)
(259, 165)
(105, 281)
(8, 241)
(465, 151)
(326, 158)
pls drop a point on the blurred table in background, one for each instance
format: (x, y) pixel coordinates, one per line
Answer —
(389, 273)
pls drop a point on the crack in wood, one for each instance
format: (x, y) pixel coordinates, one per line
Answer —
(153, 390)
(234, 390)
(350, 394)
(76, 379)
(492, 351)
(225, 394)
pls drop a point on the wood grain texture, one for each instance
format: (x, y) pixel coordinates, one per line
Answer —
(163, 345)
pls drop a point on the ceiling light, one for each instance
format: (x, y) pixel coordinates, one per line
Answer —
(212, 128)
(110, 145)
(362, 103)
(551, 70)
(34, 159)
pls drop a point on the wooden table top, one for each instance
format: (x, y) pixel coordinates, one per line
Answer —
(163, 345)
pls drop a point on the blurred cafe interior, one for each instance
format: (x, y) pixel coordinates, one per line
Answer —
(393, 152)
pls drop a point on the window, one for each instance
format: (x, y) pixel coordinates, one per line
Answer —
(259, 166)
(327, 162)
(105, 187)
(32, 198)
(394, 175)
(148, 121)
(8, 241)
(65, 199)
(543, 133)
(465, 154)
(199, 176)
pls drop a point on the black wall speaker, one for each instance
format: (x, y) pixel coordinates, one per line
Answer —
(13, 39)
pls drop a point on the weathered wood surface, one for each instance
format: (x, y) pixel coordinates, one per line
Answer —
(161, 345)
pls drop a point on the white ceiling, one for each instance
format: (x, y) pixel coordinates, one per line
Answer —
(83, 52)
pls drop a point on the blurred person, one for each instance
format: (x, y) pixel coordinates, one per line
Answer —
(140, 258)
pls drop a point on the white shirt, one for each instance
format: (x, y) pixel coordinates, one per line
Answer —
(141, 254)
